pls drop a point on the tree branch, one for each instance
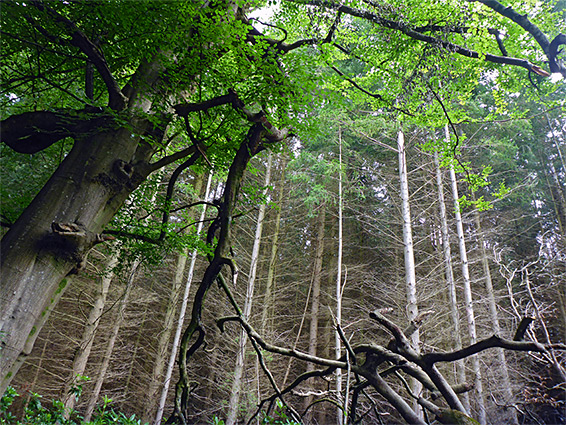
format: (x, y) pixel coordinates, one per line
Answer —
(492, 342)
(116, 99)
(33, 132)
(416, 35)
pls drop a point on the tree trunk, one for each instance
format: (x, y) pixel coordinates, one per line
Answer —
(410, 276)
(52, 236)
(502, 366)
(337, 341)
(558, 368)
(85, 346)
(168, 324)
(315, 295)
(110, 346)
(478, 384)
(181, 319)
(268, 301)
(461, 371)
(232, 414)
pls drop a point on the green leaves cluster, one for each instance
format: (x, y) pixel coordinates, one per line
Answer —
(36, 413)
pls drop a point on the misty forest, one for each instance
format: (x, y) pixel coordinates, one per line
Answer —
(283, 212)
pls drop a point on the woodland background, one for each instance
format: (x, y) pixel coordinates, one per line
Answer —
(324, 209)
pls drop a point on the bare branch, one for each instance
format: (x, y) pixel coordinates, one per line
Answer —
(492, 342)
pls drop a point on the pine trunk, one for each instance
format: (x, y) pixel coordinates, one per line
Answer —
(315, 293)
(502, 361)
(232, 414)
(168, 324)
(410, 274)
(268, 301)
(85, 345)
(181, 319)
(337, 341)
(99, 380)
(478, 382)
(449, 271)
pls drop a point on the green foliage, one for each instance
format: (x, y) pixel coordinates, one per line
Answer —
(23, 176)
(35, 413)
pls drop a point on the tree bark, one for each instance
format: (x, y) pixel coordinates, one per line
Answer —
(315, 295)
(111, 342)
(410, 273)
(461, 371)
(85, 345)
(340, 413)
(268, 298)
(168, 323)
(233, 405)
(53, 235)
(478, 383)
(502, 366)
(181, 319)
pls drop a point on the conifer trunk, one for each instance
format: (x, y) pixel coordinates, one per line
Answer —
(315, 293)
(449, 271)
(337, 341)
(82, 354)
(268, 298)
(232, 414)
(410, 275)
(502, 366)
(168, 324)
(478, 382)
(181, 319)
(110, 345)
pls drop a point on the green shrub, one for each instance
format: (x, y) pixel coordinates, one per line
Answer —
(35, 413)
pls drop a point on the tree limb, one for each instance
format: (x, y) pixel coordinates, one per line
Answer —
(416, 35)
(116, 99)
(492, 342)
(35, 131)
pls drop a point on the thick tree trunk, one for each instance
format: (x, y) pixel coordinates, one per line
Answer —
(232, 414)
(53, 235)
(461, 371)
(82, 196)
(85, 345)
(478, 382)
(410, 273)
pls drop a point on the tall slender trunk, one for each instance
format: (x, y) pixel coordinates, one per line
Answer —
(110, 345)
(168, 324)
(478, 383)
(338, 343)
(449, 271)
(315, 293)
(240, 358)
(85, 345)
(181, 319)
(410, 276)
(268, 301)
(502, 366)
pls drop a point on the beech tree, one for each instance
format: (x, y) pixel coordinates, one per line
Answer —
(135, 87)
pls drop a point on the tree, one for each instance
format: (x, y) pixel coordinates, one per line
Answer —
(195, 76)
